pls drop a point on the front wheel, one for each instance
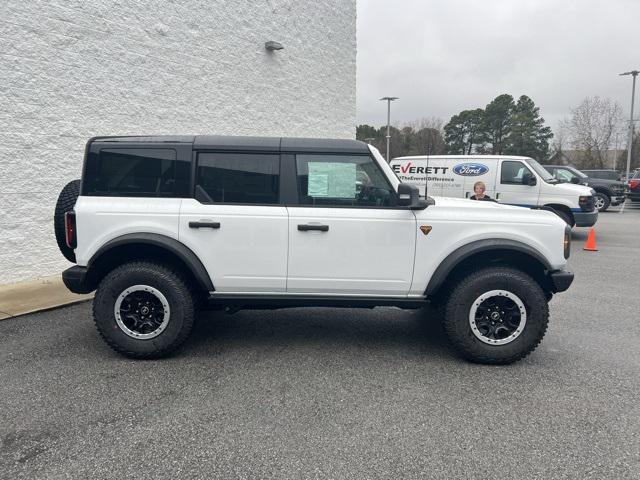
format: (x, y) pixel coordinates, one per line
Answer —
(601, 201)
(144, 309)
(567, 217)
(496, 315)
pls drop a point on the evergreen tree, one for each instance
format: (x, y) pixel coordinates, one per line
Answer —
(366, 131)
(464, 132)
(497, 123)
(528, 136)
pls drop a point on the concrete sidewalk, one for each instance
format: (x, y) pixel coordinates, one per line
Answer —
(35, 295)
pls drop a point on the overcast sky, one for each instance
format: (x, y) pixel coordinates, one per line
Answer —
(444, 56)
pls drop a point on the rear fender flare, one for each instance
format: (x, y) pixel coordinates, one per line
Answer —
(184, 253)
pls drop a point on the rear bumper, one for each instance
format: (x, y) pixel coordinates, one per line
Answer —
(561, 280)
(76, 280)
(585, 219)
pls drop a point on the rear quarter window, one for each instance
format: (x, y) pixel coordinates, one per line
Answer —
(134, 172)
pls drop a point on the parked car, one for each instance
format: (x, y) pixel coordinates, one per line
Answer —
(509, 180)
(607, 192)
(634, 187)
(603, 174)
(162, 225)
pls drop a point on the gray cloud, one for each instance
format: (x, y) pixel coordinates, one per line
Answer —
(441, 57)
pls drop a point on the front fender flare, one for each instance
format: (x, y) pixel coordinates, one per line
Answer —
(479, 246)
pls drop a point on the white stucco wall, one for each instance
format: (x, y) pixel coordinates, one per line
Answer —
(74, 69)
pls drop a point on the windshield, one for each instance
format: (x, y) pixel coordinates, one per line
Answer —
(577, 173)
(391, 175)
(540, 170)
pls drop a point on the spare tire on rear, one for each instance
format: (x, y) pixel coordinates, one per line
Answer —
(66, 202)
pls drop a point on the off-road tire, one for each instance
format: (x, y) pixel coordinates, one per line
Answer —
(171, 283)
(467, 290)
(66, 202)
(605, 199)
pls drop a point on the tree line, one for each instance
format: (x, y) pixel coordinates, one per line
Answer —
(503, 127)
(594, 135)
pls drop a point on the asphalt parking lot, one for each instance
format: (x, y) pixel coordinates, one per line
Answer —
(330, 393)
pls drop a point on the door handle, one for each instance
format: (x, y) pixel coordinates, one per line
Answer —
(204, 224)
(320, 228)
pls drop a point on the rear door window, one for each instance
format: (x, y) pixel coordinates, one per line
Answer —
(241, 178)
(133, 172)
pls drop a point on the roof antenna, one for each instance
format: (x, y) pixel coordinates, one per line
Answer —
(426, 179)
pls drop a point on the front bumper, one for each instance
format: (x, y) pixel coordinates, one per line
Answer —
(561, 280)
(618, 199)
(585, 219)
(76, 280)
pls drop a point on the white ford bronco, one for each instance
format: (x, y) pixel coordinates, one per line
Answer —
(161, 226)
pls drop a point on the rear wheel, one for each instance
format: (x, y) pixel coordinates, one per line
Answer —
(66, 202)
(601, 201)
(496, 316)
(144, 309)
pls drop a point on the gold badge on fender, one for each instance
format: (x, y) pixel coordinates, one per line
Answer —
(425, 229)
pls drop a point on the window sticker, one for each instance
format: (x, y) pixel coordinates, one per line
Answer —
(333, 180)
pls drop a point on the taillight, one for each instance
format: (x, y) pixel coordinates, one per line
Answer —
(70, 229)
(633, 184)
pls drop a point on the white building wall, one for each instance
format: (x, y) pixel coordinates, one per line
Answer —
(75, 69)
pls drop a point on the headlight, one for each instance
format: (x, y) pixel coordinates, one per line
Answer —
(567, 242)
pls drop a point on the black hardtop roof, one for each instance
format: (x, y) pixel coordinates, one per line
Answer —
(279, 144)
(146, 139)
(241, 143)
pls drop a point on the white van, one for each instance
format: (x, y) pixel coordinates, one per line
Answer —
(511, 180)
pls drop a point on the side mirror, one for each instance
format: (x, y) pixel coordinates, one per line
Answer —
(409, 196)
(575, 180)
(529, 179)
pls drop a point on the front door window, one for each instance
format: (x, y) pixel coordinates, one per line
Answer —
(342, 180)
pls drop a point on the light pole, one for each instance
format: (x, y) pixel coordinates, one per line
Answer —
(389, 100)
(634, 73)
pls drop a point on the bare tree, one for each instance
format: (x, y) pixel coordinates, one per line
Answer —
(559, 143)
(419, 137)
(428, 136)
(591, 131)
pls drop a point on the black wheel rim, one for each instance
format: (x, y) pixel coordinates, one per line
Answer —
(142, 312)
(497, 317)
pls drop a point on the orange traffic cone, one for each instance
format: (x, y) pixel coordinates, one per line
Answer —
(591, 241)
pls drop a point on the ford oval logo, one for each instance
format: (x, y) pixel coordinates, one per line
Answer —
(470, 169)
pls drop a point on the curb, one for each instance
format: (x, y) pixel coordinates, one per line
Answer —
(44, 293)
